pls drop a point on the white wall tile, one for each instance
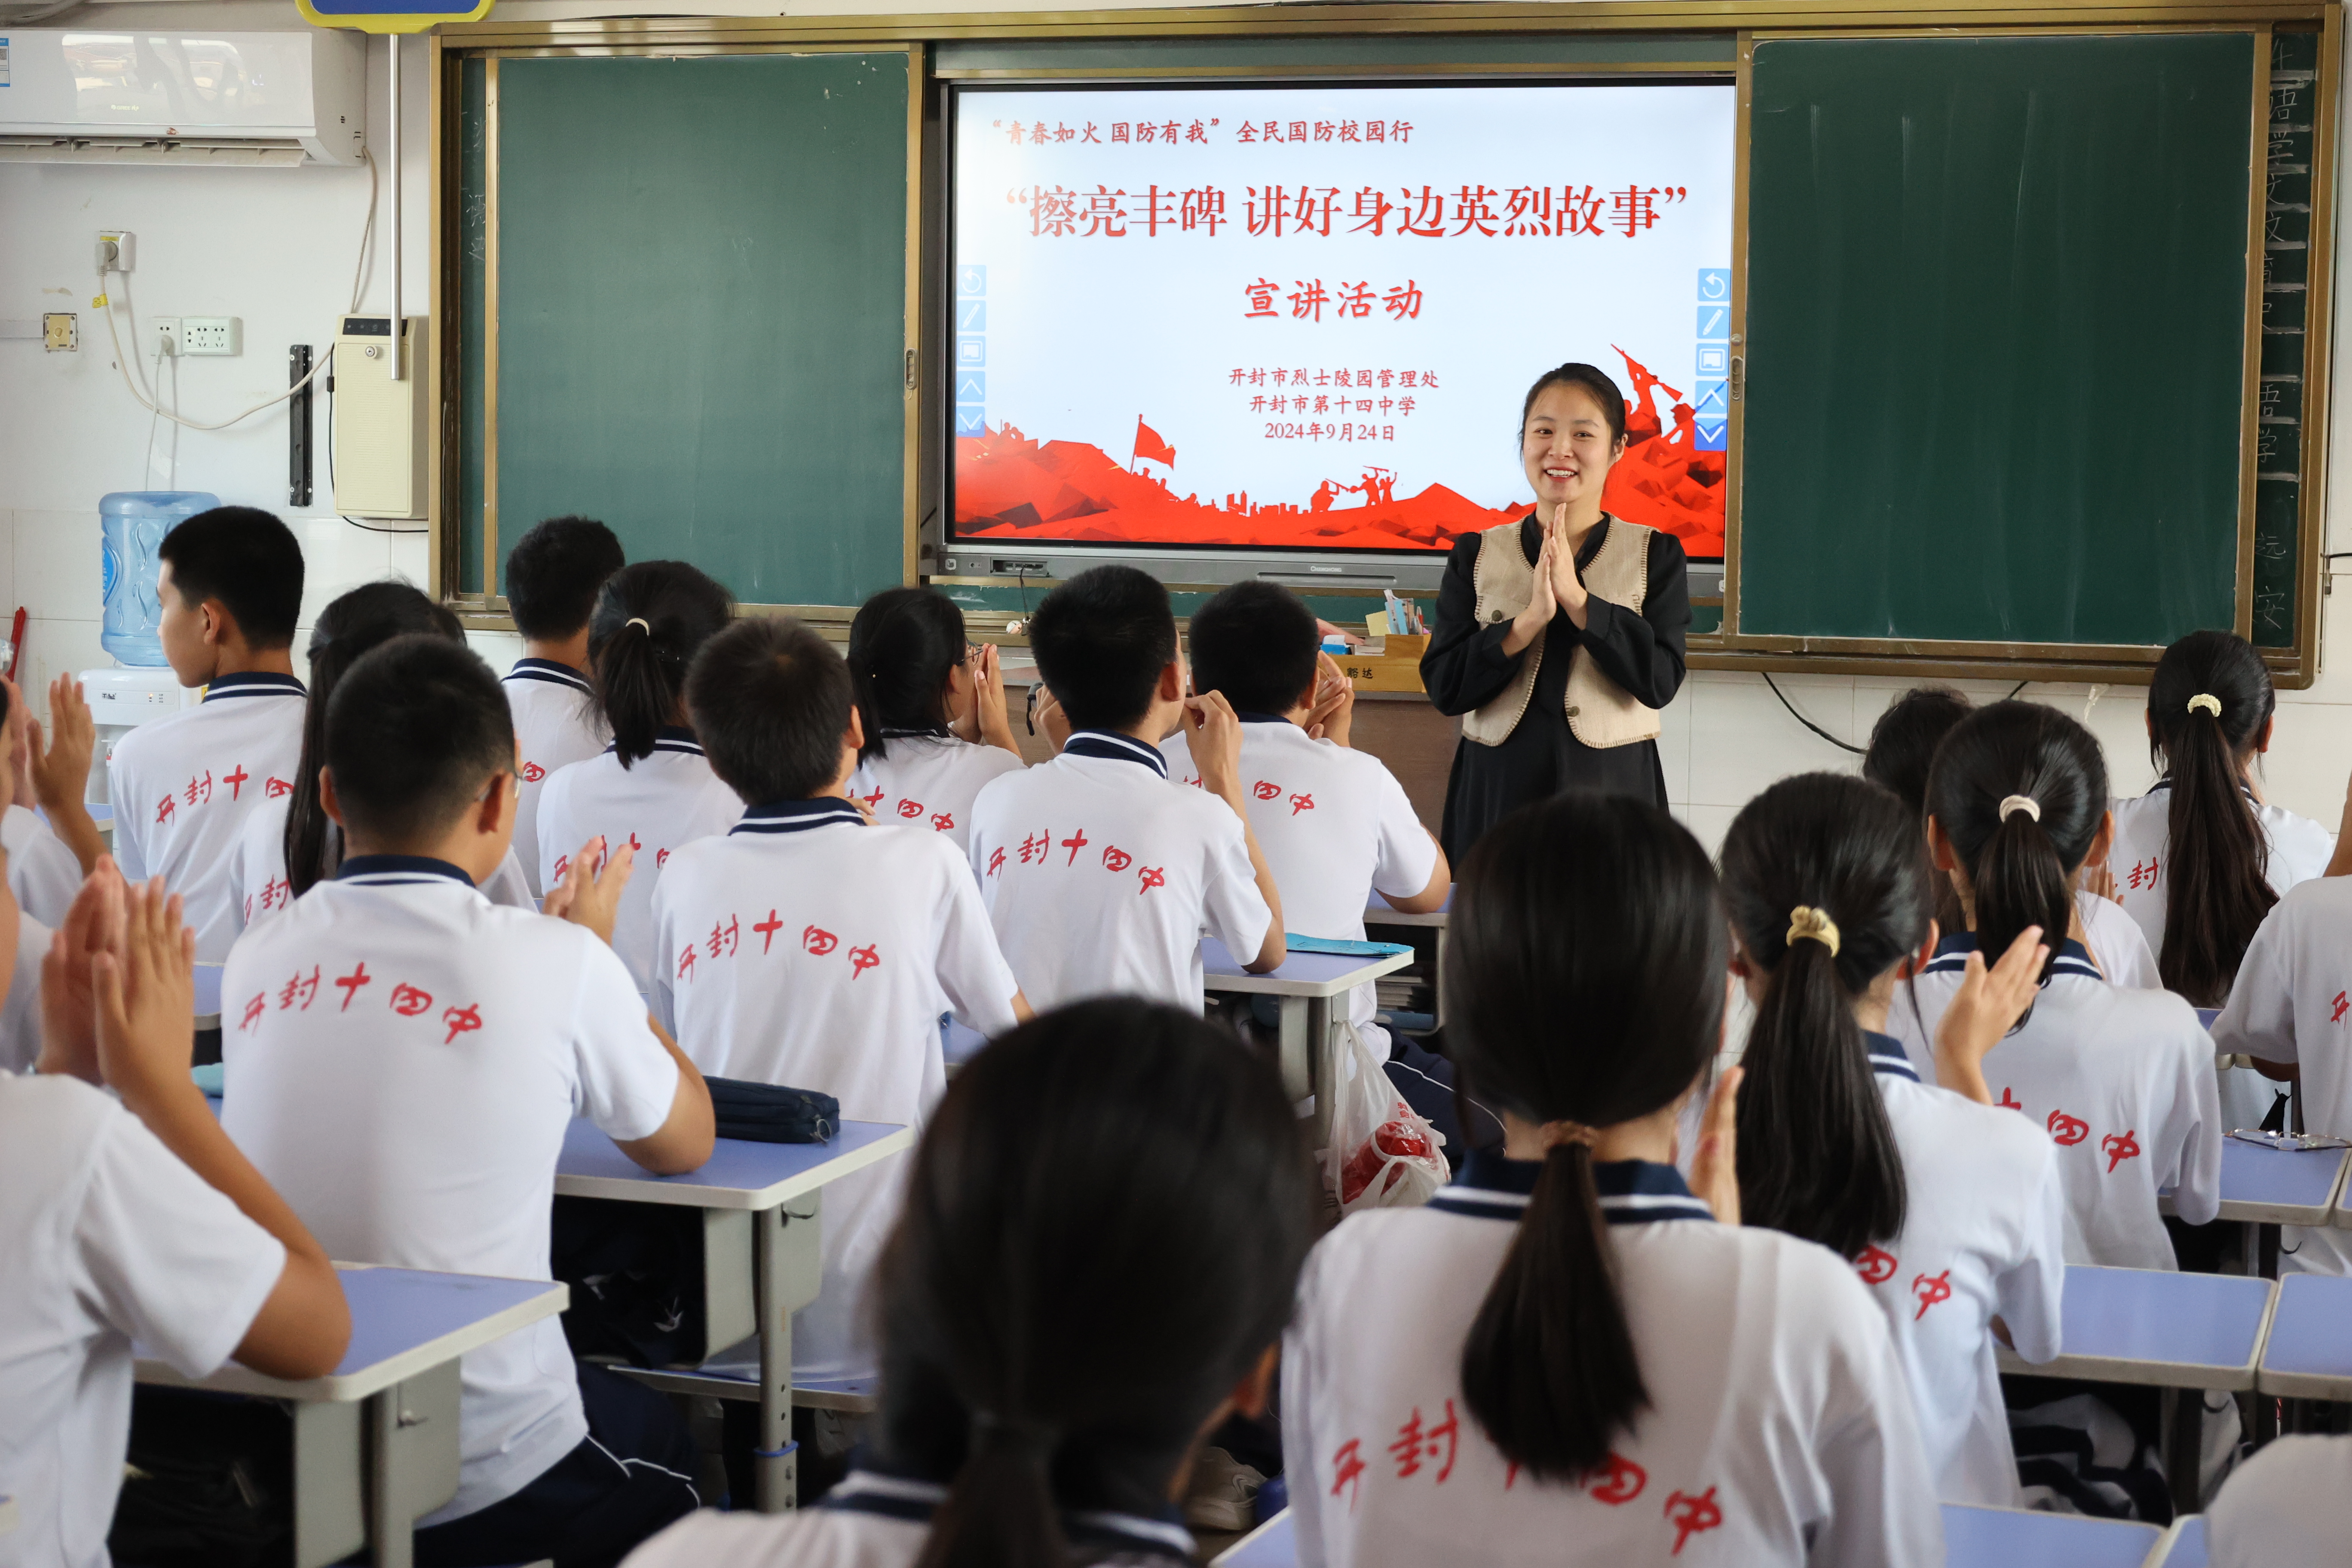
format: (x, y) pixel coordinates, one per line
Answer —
(1742, 738)
(55, 563)
(499, 649)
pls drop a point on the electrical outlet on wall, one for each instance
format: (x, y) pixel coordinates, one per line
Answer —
(164, 336)
(211, 335)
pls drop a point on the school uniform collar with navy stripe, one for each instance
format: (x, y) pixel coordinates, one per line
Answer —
(1633, 1191)
(2165, 784)
(669, 738)
(252, 683)
(1887, 1057)
(798, 816)
(399, 871)
(864, 1490)
(2071, 957)
(550, 671)
(1117, 747)
(1260, 718)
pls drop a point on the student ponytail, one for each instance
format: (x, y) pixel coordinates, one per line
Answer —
(370, 615)
(1102, 1234)
(1901, 749)
(2020, 790)
(1827, 880)
(1587, 955)
(650, 619)
(903, 647)
(2209, 704)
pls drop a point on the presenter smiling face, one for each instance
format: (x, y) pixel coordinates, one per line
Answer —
(1567, 445)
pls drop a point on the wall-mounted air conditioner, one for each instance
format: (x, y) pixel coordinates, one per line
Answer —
(153, 96)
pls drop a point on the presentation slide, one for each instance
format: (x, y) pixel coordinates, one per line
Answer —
(1304, 318)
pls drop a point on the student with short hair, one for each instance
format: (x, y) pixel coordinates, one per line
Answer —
(126, 1213)
(289, 845)
(405, 1057)
(1334, 824)
(807, 947)
(1100, 875)
(650, 788)
(553, 573)
(1569, 1356)
(1092, 1271)
(231, 589)
(2120, 1081)
(1903, 748)
(931, 708)
(1948, 1209)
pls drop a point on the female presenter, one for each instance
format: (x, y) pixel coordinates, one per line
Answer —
(1561, 635)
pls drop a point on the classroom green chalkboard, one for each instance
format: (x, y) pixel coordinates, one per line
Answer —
(1996, 302)
(701, 319)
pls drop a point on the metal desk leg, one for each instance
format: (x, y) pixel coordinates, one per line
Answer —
(789, 1264)
(1297, 1061)
(1437, 981)
(413, 1458)
(1318, 1057)
(2185, 1437)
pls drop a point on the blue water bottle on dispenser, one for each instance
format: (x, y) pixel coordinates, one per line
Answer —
(132, 524)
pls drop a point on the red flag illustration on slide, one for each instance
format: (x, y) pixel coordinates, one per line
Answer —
(1148, 443)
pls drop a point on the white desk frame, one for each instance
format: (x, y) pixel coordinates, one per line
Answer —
(783, 1258)
(375, 1450)
(1304, 1026)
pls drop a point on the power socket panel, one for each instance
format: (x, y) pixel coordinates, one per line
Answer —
(211, 335)
(164, 336)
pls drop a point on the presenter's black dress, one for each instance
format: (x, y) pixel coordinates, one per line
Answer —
(1467, 668)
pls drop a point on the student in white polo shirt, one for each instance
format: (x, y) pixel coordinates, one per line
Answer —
(1950, 1210)
(45, 872)
(2291, 1010)
(553, 573)
(1568, 1355)
(290, 844)
(1101, 876)
(805, 947)
(2291, 1502)
(1335, 824)
(2121, 1081)
(1097, 1254)
(933, 711)
(127, 1216)
(2200, 859)
(1902, 748)
(651, 788)
(231, 587)
(404, 1057)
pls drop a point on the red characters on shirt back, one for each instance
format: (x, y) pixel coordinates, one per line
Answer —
(2067, 1130)
(1931, 1289)
(1876, 1266)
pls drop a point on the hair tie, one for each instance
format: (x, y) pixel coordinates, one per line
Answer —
(2016, 803)
(1027, 1439)
(638, 622)
(1808, 924)
(2208, 701)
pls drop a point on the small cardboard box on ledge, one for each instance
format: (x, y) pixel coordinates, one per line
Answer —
(1387, 663)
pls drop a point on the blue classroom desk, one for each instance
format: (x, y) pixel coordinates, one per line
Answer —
(2177, 1332)
(958, 1043)
(1973, 1538)
(2267, 1188)
(1305, 984)
(2308, 1354)
(375, 1441)
(2184, 1545)
(761, 1233)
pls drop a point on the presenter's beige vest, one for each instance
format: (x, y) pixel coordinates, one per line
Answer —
(1600, 713)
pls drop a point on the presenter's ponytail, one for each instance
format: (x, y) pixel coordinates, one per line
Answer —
(2021, 791)
(651, 619)
(1102, 1234)
(1827, 880)
(903, 647)
(1587, 957)
(2208, 705)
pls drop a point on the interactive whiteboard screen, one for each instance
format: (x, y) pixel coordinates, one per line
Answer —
(1304, 318)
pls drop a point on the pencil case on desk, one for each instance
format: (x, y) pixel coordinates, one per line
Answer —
(772, 1113)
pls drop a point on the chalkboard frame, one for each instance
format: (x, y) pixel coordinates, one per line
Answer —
(483, 606)
(1735, 637)
(1153, 36)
